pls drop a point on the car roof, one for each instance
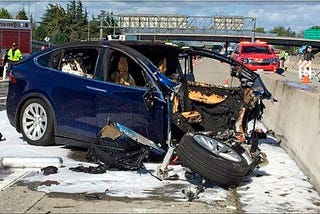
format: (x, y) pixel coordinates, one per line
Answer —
(149, 49)
(114, 43)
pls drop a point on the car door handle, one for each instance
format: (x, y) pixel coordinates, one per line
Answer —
(96, 89)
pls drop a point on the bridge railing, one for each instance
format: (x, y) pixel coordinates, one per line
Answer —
(191, 31)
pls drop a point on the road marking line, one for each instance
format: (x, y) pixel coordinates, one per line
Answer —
(3, 98)
(12, 178)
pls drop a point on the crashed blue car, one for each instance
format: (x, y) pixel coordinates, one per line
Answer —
(68, 95)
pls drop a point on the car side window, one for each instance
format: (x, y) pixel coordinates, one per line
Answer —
(80, 62)
(49, 60)
(122, 69)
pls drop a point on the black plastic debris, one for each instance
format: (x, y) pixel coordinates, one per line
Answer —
(49, 170)
(100, 169)
(121, 160)
(1, 137)
(115, 150)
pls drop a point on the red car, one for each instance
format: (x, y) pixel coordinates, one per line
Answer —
(256, 56)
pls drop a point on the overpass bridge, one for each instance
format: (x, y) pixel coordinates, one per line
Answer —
(205, 37)
(227, 29)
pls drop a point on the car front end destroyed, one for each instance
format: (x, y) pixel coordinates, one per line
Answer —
(208, 130)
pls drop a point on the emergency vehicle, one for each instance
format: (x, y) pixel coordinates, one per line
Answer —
(14, 30)
(256, 56)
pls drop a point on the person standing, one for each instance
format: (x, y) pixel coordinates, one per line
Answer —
(282, 57)
(308, 55)
(13, 56)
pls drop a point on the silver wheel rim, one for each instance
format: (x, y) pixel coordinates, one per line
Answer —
(218, 148)
(34, 121)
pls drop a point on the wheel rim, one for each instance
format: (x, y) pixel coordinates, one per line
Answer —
(218, 148)
(34, 121)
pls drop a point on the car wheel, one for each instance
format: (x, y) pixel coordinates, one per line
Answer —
(212, 159)
(36, 123)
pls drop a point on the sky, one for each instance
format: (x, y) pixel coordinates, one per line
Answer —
(279, 187)
(294, 14)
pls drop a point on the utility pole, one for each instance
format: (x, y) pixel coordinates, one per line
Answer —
(253, 29)
(102, 15)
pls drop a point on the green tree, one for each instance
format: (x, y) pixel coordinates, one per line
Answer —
(54, 23)
(39, 32)
(260, 30)
(76, 18)
(22, 15)
(4, 14)
(281, 31)
(64, 25)
(94, 29)
(315, 27)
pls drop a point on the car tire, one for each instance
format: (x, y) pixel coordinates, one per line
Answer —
(214, 166)
(36, 123)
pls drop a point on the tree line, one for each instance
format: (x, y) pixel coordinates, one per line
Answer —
(64, 24)
(72, 24)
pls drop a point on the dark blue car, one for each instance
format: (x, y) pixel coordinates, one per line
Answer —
(66, 94)
(107, 92)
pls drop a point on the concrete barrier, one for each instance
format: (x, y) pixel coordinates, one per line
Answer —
(296, 119)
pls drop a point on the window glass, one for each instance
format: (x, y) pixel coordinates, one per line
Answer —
(122, 69)
(80, 62)
(45, 60)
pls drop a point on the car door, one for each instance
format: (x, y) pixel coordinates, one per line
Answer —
(73, 101)
(128, 105)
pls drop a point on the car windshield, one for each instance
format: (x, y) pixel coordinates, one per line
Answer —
(255, 49)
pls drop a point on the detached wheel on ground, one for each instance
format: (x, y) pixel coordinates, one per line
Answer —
(36, 123)
(214, 160)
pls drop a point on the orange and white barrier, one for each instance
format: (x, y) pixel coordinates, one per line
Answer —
(305, 69)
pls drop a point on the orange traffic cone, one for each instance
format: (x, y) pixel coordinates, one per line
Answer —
(305, 79)
(226, 83)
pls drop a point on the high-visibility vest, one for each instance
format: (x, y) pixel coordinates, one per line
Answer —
(282, 55)
(14, 56)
